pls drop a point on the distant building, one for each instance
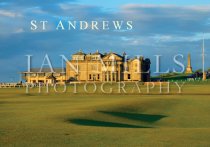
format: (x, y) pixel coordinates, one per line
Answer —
(107, 67)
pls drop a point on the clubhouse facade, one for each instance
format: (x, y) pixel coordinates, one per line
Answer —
(94, 67)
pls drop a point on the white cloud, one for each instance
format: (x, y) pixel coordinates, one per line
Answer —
(205, 8)
(35, 10)
(7, 13)
(20, 30)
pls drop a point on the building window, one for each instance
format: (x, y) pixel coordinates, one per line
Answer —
(94, 58)
(76, 66)
(28, 74)
(126, 68)
(129, 76)
(62, 74)
(94, 67)
(90, 77)
(33, 75)
(113, 77)
(136, 65)
(56, 74)
(94, 77)
(41, 74)
(98, 76)
(78, 57)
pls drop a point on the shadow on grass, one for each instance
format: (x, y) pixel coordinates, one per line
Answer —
(135, 116)
(88, 122)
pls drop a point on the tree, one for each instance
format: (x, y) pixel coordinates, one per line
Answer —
(199, 70)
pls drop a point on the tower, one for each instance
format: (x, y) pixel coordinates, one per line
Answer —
(189, 67)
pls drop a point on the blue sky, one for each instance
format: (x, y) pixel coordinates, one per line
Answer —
(117, 3)
(160, 27)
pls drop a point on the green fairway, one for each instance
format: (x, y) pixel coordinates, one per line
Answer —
(66, 119)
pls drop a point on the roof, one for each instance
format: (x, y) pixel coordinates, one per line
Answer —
(79, 53)
(114, 54)
(47, 70)
(97, 53)
(51, 77)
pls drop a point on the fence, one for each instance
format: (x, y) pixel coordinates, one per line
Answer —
(10, 85)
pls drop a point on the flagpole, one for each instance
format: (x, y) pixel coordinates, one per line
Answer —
(203, 55)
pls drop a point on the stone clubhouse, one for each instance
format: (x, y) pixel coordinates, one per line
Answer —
(93, 67)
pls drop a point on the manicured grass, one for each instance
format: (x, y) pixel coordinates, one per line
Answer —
(67, 119)
(197, 87)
